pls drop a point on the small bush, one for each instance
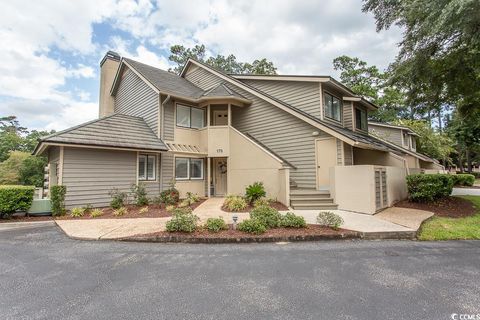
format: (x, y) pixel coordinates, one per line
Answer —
(169, 196)
(463, 179)
(290, 220)
(235, 203)
(13, 198)
(261, 202)
(252, 226)
(183, 220)
(183, 204)
(255, 191)
(57, 199)
(118, 198)
(192, 198)
(216, 224)
(77, 212)
(140, 196)
(96, 213)
(268, 216)
(429, 187)
(157, 201)
(170, 208)
(329, 219)
(120, 212)
(143, 210)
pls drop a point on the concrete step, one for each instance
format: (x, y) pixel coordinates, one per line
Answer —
(295, 199)
(308, 191)
(319, 206)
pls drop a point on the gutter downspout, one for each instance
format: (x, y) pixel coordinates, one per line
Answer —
(163, 114)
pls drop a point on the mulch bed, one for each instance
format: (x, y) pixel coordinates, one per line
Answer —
(453, 207)
(23, 218)
(154, 211)
(310, 233)
(276, 205)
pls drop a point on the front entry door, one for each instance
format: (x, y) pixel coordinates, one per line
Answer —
(326, 151)
(220, 117)
(220, 168)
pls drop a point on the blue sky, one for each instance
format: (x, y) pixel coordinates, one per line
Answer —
(51, 49)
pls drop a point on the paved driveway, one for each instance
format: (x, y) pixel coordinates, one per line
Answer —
(45, 275)
(466, 192)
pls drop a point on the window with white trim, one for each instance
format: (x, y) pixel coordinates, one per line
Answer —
(190, 117)
(147, 167)
(189, 168)
(333, 107)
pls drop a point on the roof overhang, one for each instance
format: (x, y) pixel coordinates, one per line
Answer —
(42, 146)
(406, 151)
(413, 133)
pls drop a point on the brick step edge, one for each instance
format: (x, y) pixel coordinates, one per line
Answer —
(246, 239)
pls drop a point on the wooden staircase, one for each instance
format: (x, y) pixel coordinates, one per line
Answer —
(311, 199)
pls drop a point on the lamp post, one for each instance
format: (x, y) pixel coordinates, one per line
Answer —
(234, 218)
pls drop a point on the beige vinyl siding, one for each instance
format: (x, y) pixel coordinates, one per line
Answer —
(167, 168)
(203, 79)
(302, 95)
(390, 134)
(347, 154)
(134, 97)
(169, 121)
(348, 115)
(90, 174)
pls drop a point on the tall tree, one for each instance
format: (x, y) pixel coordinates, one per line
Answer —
(440, 49)
(229, 64)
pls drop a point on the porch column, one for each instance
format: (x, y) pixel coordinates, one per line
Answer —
(229, 114)
(208, 115)
(208, 177)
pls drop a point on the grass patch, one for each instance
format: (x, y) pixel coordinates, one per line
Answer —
(441, 228)
(477, 181)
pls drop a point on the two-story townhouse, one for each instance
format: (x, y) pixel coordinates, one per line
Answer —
(305, 137)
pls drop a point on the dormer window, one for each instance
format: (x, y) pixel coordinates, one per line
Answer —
(406, 140)
(333, 107)
(360, 119)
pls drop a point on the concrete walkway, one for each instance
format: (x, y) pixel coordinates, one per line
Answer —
(465, 192)
(96, 229)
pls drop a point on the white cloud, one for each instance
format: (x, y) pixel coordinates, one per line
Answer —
(81, 71)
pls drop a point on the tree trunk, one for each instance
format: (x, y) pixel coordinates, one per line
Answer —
(440, 119)
(460, 160)
(469, 161)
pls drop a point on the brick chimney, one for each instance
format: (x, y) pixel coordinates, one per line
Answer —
(108, 70)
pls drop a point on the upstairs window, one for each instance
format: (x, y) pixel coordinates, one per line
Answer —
(360, 119)
(190, 117)
(406, 140)
(333, 107)
(146, 167)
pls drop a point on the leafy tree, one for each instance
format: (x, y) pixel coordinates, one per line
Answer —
(10, 168)
(434, 144)
(229, 64)
(31, 171)
(440, 49)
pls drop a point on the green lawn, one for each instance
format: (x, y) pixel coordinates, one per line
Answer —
(477, 181)
(440, 228)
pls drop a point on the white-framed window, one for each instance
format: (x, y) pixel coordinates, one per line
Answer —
(333, 107)
(360, 119)
(190, 117)
(189, 168)
(147, 167)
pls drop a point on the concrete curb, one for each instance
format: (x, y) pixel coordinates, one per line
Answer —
(392, 235)
(253, 239)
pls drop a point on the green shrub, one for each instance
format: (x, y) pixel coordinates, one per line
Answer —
(429, 187)
(120, 212)
(192, 198)
(216, 224)
(77, 212)
(463, 179)
(290, 220)
(140, 196)
(57, 199)
(143, 210)
(118, 198)
(169, 196)
(96, 213)
(329, 219)
(255, 191)
(87, 208)
(261, 202)
(183, 220)
(268, 216)
(170, 208)
(252, 226)
(235, 203)
(183, 204)
(13, 198)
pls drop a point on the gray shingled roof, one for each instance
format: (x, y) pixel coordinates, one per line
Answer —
(166, 81)
(117, 130)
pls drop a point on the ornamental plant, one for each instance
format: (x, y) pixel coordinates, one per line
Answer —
(216, 224)
(57, 199)
(290, 220)
(268, 216)
(140, 196)
(235, 203)
(255, 191)
(252, 226)
(118, 198)
(429, 187)
(183, 220)
(329, 219)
